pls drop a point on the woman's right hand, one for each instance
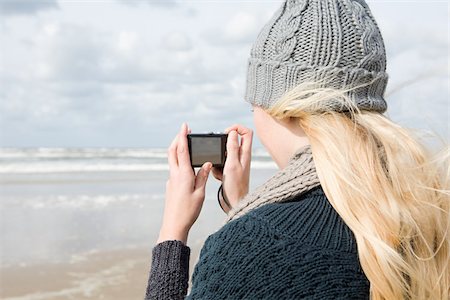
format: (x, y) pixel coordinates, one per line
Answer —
(235, 175)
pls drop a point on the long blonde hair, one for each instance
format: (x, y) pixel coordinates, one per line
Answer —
(386, 184)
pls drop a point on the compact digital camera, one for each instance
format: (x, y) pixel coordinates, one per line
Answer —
(205, 147)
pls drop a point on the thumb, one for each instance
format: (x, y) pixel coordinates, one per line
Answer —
(202, 176)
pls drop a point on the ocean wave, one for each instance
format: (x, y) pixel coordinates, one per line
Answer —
(81, 201)
(87, 167)
(19, 168)
(67, 153)
(62, 153)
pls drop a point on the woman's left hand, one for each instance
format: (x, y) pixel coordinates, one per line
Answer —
(185, 191)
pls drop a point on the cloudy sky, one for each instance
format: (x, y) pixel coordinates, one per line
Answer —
(123, 73)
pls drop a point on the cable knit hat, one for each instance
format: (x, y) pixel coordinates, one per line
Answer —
(310, 39)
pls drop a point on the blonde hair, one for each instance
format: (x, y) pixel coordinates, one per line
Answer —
(388, 187)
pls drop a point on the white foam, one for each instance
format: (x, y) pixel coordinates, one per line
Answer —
(70, 167)
(73, 168)
(62, 160)
(62, 153)
(82, 153)
(81, 201)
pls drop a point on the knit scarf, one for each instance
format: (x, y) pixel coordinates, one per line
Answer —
(298, 177)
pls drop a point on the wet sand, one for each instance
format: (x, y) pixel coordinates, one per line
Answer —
(120, 274)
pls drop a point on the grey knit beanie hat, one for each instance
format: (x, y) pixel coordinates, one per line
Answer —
(311, 39)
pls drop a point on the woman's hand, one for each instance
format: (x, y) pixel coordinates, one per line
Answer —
(235, 175)
(185, 191)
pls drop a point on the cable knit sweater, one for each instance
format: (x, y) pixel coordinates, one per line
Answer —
(299, 249)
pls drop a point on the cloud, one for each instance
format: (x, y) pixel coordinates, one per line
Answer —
(162, 5)
(25, 7)
(417, 64)
(242, 28)
(131, 77)
(418, 93)
(76, 78)
(177, 41)
(157, 3)
(67, 52)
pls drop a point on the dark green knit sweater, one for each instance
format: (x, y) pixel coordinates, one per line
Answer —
(300, 249)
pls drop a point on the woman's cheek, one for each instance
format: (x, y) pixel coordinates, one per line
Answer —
(259, 126)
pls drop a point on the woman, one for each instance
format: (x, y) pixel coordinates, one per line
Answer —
(359, 208)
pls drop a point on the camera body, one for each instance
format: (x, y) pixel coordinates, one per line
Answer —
(205, 147)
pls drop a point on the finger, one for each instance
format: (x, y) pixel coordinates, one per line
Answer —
(182, 148)
(232, 147)
(172, 154)
(246, 142)
(246, 148)
(242, 130)
(202, 176)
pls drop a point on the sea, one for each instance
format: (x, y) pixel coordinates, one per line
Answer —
(58, 203)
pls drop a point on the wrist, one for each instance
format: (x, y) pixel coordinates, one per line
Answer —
(221, 198)
(172, 234)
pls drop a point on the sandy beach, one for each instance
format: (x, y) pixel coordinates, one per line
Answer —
(105, 275)
(119, 274)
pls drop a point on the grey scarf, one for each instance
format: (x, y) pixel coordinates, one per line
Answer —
(299, 176)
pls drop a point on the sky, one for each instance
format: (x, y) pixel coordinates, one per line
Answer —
(124, 73)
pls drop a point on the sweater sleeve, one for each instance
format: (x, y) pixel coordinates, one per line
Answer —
(169, 272)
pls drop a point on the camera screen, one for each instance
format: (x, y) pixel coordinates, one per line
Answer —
(206, 149)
